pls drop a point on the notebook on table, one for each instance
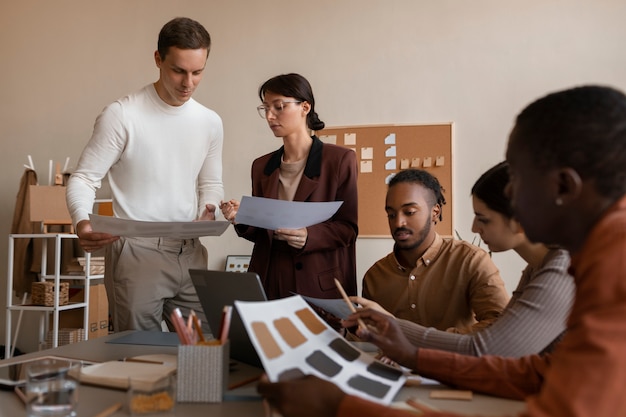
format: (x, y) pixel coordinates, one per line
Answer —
(219, 288)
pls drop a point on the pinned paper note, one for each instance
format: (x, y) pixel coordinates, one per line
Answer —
(415, 163)
(366, 166)
(329, 139)
(349, 139)
(367, 153)
(390, 165)
(428, 162)
(439, 161)
(390, 139)
(390, 151)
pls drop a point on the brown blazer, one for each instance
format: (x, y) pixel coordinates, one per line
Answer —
(330, 174)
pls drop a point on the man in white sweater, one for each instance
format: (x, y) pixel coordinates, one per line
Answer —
(162, 153)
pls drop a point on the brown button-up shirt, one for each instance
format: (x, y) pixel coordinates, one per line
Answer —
(454, 286)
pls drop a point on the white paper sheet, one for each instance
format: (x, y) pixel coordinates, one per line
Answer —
(390, 165)
(292, 341)
(329, 139)
(366, 166)
(367, 152)
(273, 214)
(349, 139)
(178, 230)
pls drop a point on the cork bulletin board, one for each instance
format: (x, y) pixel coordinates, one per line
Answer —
(384, 150)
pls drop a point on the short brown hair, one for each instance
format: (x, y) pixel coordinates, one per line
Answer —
(183, 33)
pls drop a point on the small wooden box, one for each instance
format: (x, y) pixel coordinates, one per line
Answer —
(42, 293)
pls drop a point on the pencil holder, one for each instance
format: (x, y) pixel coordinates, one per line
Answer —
(202, 373)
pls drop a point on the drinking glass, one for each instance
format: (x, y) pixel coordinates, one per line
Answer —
(50, 389)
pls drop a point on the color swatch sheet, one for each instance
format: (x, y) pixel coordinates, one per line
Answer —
(293, 341)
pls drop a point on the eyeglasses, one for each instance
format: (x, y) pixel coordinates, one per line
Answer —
(276, 107)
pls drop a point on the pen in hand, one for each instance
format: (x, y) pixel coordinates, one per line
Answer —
(350, 305)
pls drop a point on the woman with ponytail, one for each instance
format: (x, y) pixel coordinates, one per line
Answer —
(304, 261)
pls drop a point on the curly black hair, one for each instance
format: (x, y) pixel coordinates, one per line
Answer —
(419, 176)
(583, 128)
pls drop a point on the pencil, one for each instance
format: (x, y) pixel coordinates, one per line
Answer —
(419, 405)
(189, 322)
(350, 305)
(244, 382)
(196, 324)
(225, 324)
(108, 411)
(179, 325)
(141, 361)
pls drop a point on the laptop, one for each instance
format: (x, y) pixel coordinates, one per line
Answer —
(219, 288)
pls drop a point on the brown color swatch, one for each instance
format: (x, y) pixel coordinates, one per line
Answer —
(289, 332)
(311, 321)
(265, 338)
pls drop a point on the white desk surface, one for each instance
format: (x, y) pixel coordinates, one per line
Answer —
(242, 401)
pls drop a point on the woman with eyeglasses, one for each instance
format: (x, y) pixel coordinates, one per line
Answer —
(304, 261)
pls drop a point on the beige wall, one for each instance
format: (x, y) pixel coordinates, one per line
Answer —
(473, 63)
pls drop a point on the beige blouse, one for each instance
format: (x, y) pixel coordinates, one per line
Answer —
(289, 178)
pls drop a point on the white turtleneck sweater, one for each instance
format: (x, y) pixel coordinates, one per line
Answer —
(164, 163)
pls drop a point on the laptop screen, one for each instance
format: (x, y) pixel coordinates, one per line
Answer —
(219, 288)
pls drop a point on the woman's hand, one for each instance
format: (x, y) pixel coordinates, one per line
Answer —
(294, 237)
(229, 209)
(365, 303)
(386, 334)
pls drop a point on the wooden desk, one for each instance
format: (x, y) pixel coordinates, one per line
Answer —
(242, 401)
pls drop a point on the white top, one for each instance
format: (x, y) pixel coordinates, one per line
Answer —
(164, 163)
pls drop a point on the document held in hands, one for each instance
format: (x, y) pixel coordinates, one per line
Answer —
(272, 214)
(178, 230)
